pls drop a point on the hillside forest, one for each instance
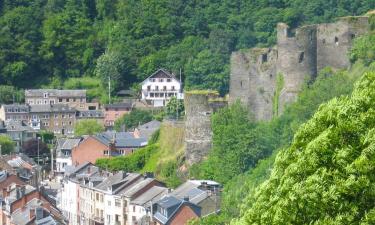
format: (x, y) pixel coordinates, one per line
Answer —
(314, 164)
(81, 43)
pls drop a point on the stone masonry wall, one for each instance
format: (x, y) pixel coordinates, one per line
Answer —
(198, 132)
(298, 56)
(253, 80)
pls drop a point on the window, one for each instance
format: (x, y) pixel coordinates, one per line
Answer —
(149, 88)
(56, 116)
(67, 100)
(45, 95)
(301, 57)
(70, 123)
(74, 100)
(161, 80)
(117, 203)
(169, 80)
(101, 200)
(31, 102)
(157, 88)
(173, 88)
(152, 95)
(164, 88)
(63, 116)
(133, 208)
(109, 203)
(264, 58)
(70, 115)
(336, 40)
(52, 102)
(106, 152)
(60, 99)
(45, 102)
(97, 197)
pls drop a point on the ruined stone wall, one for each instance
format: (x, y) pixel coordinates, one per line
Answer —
(198, 132)
(253, 80)
(335, 39)
(298, 56)
(296, 61)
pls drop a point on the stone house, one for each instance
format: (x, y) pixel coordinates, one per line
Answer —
(19, 132)
(57, 118)
(97, 115)
(158, 88)
(17, 112)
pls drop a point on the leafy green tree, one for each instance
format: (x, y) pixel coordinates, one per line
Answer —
(133, 119)
(364, 49)
(7, 145)
(174, 108)
(8, 94)
(88, 127)
(326, 175)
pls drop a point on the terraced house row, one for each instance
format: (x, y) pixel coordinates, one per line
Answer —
(90, 196)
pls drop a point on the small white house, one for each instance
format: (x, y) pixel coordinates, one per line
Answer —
(158, 88)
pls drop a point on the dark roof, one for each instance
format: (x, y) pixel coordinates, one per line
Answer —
(55, 93)
(126, 92)
(123, 105)
(13, 125)
(21, 108)
(51, 108)
(172, 205)
(122, 139)
(162, 73)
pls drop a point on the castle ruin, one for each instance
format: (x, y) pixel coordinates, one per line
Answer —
(199, 106)
(267, 79)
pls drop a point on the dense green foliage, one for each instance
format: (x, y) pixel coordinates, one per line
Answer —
(175, 108)
(130, 163)
(9, 94)
(135, 118)
(327, 175)
(88, 127)
(240, 182)
(7, 145)
(45, 42)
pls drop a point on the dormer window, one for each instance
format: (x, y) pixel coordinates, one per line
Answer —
(161, 80)
(169, 80)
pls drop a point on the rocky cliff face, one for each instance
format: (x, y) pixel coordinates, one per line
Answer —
(297, 57)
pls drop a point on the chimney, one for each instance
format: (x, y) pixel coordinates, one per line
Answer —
(39, 213)
(186, 198)
(31, 214)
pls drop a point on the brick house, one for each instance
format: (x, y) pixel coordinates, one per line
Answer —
(106, 145)
(114, 111)
(24, 204)
(173, 211)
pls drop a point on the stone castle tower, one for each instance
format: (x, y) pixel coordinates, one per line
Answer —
(256, 74)
(199, 106)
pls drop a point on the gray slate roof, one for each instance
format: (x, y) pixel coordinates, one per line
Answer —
(122, 139)
(149, 128)
(51, 108)
(16, 108)
(123, 105)
(172, 205)
(13, 125)
(191, 189)
(55, 93)
(153, 194)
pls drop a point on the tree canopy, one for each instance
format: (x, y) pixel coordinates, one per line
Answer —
(7, 145)
(44, 42)
(88, 127)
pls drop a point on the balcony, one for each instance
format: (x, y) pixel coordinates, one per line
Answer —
(98, 220)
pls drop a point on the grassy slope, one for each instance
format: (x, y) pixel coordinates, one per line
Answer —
(165, 162)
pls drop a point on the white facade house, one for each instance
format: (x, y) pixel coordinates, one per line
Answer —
(64, 153)
(158, 88)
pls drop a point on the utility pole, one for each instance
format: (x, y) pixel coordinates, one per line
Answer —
(38, 150)
(109, 89)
